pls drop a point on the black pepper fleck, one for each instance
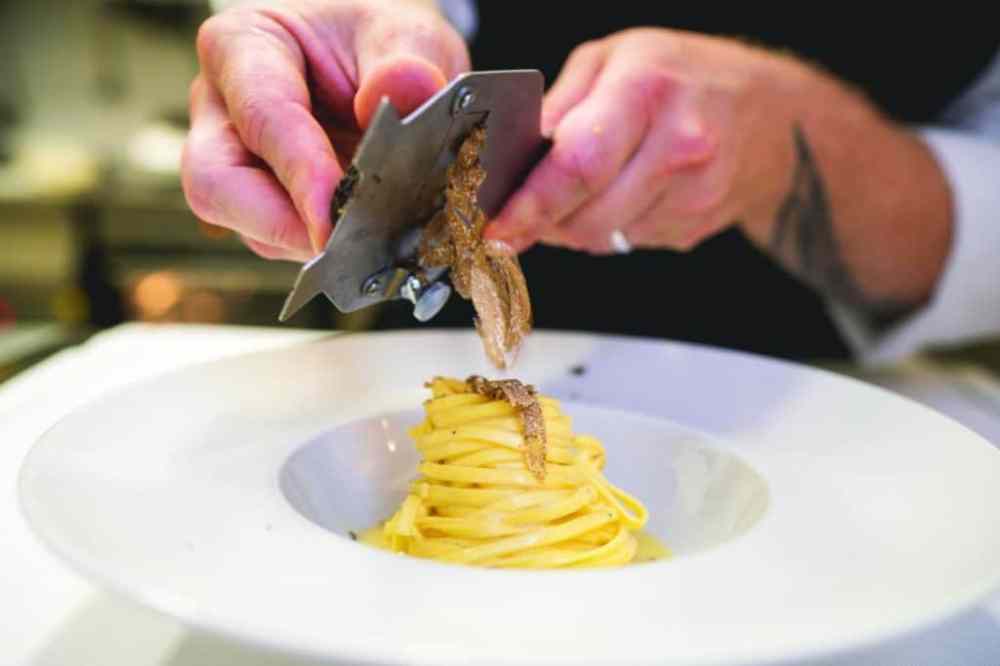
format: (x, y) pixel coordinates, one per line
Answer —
(353, 535)
(578, 370)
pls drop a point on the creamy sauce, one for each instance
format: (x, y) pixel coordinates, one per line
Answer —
(650, 548)
(374, 536)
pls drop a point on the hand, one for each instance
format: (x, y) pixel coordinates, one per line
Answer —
(282, 99)
(668, 137)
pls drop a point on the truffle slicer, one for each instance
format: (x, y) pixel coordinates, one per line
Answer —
(395, 185)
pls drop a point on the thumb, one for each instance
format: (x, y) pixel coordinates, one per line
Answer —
(407, 80)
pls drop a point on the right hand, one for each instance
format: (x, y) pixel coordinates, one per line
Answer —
(282, 99)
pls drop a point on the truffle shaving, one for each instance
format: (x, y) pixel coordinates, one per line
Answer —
(524, 398)
(480, 272)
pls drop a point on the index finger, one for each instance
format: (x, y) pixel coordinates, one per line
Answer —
(592, 143)
(260, 71)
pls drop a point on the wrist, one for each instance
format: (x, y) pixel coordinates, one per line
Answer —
(841, 208)
(776, 87)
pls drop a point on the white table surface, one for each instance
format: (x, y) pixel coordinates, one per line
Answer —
(50, 616)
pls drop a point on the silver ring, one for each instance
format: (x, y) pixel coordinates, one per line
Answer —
(619, 243)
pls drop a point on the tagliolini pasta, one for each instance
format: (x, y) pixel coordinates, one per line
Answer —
(479, 499)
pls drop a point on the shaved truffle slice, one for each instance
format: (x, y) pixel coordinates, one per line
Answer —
(524, 398)
(493, 281)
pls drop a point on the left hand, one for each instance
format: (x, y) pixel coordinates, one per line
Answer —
(668, 137)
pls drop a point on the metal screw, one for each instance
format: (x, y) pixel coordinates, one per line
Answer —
(373, 285)
(411, 288)
(463, 100)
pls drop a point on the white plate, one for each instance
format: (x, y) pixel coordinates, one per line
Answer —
(811, 514)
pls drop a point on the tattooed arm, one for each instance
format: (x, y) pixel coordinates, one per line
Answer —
(965, 304)
(899, 227)
(867, 217)
(668, 137)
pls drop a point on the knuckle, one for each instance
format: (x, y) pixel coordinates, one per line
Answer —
(584, 164)
(687, 146)
(282, 234)
(413, 26)
(216, 37)
(585, 51)
(691, 141)
(198, 187)
(207, 37)
(255, 121)
(252, 121)
(416, 32)
(264, 126)
(653, 88)
(216, 29)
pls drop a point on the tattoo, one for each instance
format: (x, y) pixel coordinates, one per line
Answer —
(804, 235)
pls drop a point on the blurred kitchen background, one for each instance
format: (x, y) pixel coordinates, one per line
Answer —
(94, 229)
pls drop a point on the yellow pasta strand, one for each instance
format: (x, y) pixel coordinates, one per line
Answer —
(475, 502)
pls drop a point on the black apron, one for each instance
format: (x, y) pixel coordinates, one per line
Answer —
(725, 292)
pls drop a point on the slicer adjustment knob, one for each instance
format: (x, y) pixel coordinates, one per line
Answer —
(427, 299)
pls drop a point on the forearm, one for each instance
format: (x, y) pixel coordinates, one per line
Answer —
(866, 216)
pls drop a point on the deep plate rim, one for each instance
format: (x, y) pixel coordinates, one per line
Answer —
(182, 609)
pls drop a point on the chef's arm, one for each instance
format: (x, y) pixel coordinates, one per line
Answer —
(866, 216)
(899, 227)
(664, 138)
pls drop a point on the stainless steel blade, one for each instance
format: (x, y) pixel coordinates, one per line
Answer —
(397, 179)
